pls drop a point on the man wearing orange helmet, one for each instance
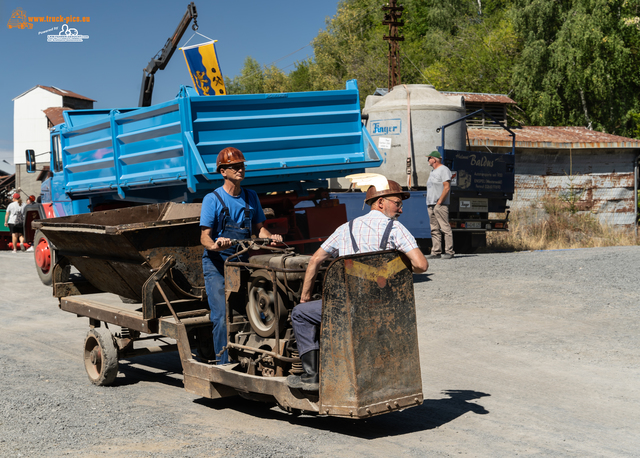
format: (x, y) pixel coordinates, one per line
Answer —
(230, 212)
(375, 231)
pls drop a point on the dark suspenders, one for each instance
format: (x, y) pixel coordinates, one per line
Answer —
(247, 209)
(383, 242)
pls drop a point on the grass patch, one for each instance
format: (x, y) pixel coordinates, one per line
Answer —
(555, 224)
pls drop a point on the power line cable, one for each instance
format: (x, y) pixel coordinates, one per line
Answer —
(419, 71)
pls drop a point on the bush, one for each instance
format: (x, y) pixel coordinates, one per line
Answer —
(555, 224)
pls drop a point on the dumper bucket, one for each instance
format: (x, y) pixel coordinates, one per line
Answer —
(118, 250)
(369, 361)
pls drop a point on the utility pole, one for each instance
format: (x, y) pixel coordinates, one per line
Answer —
(392, 16)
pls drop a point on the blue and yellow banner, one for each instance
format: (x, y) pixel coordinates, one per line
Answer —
(202, 62)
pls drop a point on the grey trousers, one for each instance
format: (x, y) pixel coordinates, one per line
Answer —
(439, 221)
(306, 318)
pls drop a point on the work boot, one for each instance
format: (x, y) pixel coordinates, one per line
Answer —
(310, 380)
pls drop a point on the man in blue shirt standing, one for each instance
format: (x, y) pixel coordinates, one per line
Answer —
(230, 212)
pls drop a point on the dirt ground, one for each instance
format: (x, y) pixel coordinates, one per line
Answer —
(526, 354)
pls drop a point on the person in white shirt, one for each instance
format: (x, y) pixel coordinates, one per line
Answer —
(14, 220)
(438, 192)
(377, 230)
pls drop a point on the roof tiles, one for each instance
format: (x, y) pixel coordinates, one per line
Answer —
(54, 114)
(64, 93)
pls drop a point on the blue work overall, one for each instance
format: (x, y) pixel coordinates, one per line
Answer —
(213, 269)
(307, 316)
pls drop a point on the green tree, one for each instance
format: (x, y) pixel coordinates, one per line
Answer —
(579, 63)
(251, 79)
(275, 81)
(300, 78)
(351, 47)
(479, 59)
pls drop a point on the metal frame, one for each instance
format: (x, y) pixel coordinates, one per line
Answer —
(441, 148)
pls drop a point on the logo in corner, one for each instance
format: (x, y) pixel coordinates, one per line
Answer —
(18, 20)
(69, 35)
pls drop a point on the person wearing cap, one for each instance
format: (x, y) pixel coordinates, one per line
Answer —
(377, 230)
(14, 220)
(438, 191)
(230, 212)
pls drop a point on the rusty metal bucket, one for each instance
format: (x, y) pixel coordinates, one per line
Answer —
(118, 250)
(369, 361)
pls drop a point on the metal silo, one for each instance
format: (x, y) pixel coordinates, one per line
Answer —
(399, 136)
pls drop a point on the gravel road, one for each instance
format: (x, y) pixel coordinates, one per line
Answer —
(533, 353)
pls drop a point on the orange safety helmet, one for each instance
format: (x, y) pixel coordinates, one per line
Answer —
(229, 156)
(393, 189)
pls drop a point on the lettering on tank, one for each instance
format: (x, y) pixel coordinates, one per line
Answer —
(386, 127)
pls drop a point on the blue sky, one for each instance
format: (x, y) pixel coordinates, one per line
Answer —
(125, 35)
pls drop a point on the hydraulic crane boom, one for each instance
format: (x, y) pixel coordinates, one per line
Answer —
(161, 59)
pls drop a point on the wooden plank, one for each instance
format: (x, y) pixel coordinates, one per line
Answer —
(108, 313)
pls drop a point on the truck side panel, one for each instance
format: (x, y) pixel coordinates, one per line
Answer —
(128, 154)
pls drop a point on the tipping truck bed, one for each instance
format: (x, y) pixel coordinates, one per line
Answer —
(167, 152)
(293, 143)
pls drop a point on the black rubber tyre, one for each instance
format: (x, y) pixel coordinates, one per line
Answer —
(100, 357)
(45, 276)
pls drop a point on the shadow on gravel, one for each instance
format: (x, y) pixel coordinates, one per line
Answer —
(160, 368)
(432, 414)
(421, 278)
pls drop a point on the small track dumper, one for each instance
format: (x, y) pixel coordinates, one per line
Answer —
(140, 280)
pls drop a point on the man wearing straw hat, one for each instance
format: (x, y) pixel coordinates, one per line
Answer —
(377, 230)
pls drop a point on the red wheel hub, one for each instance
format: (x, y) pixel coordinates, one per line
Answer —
(43, 255)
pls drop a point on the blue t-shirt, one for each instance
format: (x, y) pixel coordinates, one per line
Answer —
(211, 212)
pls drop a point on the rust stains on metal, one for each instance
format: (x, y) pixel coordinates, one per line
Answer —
(367, 299)
(608, 196)
(117, 250)
(550, 137)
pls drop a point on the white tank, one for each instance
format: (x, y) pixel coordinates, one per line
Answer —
(387, 125)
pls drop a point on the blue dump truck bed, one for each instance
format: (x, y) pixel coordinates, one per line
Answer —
(168, 151)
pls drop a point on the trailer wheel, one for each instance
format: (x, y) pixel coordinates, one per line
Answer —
(43, 256)
(100, 357)
(46, 259)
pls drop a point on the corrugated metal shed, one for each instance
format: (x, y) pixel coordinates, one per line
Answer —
(596, 167)
(482, 98)
(551, 137)
(493, 104)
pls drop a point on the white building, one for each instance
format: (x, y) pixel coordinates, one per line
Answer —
(34, 112)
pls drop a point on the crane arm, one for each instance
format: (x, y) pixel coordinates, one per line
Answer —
(161, 59)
